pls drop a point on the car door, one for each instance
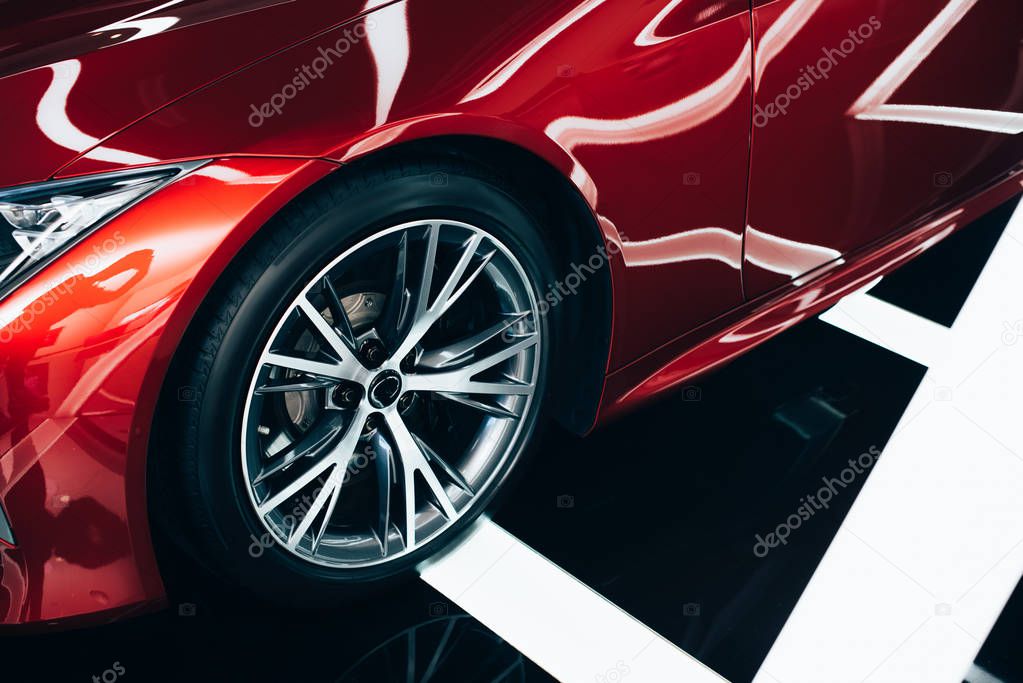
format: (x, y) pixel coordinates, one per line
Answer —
(871, 115)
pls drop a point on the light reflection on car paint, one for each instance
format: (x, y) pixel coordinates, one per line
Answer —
(141, 25)
(785, 256)
(776, 38)
(55, 124)
(500, 76)
(389, 43)
(875, 103)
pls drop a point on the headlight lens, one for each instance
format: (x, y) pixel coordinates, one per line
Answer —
(40, 220)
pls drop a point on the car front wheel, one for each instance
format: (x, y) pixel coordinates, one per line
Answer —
(366, 380)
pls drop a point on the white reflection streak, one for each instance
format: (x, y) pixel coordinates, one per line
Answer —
(782, 31)
(502, 74)
(873, 105)
(693, 109)
(988, 120)
(881, 90)
(701, 244)
(688, 113)
(584, 182)
(227, 174)
(389, 46)
(53, 121)
(648, 36)
(145, 27)
(784, 256)
(937, 230)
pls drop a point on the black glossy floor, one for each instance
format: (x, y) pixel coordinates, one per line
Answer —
(659, 513)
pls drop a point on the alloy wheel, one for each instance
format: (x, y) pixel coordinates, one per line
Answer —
(391, 394)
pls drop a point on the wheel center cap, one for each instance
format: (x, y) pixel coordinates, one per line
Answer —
(384, 389)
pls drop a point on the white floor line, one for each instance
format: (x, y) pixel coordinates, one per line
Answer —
(555, 620)
(890, 327)
(978, 674)
(933, 545)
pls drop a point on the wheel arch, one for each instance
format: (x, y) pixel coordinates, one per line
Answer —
(568, 222)
(546, 193)
(561, 211)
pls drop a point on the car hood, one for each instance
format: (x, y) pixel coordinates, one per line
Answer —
(73, 73)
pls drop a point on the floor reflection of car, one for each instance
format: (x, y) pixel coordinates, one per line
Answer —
(449, 648)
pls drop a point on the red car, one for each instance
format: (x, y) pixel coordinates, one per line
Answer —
(297, 281)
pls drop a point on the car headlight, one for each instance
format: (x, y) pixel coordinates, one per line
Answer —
(41, 220)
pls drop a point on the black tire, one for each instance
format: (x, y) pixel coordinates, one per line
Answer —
(200, 449)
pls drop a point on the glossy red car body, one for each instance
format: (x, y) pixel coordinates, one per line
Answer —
(746, 164)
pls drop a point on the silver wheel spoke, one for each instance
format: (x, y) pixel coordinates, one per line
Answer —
(488, 408)
(311, 444)
(385, 479)
(335, 494)
(422, 294)
(393, 319)
(294, 487)
(338, 314)
(328, 494)
(413, 461)
(309, 367)
(448, 294)
(333, 338)
(426, 314)
(296, 385)
(460, 380)
(339, 453)
(408, 493)
(460, 351)
(452, 473)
